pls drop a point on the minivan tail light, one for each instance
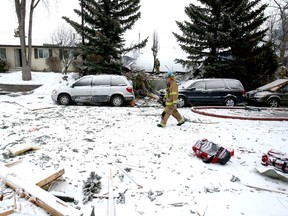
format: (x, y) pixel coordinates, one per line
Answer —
(129, 89)
(243, 92)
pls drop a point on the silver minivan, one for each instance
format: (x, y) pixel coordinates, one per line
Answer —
(95, 89)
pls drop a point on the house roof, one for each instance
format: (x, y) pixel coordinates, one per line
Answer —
(15, 42)
(7, 40)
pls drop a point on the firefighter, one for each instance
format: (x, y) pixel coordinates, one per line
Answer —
(157, 65)
(171, 98)
(283, 73)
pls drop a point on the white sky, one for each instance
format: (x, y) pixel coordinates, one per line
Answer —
(157, 15)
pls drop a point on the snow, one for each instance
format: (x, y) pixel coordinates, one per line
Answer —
(166, 178)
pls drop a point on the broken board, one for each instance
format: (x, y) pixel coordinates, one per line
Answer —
(272, 173)
(33, 174)
(36, 194)
(7, 212)
(19, 149)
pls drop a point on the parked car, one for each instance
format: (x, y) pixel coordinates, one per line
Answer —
(272, 94)
(228, 92)
(95, 89)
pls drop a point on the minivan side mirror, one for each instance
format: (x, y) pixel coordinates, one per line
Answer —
(193, 89)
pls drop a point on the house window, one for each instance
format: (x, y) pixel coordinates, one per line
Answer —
(43, 53)
(3, 52)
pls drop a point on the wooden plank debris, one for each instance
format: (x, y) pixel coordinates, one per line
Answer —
(33, 174)
(265, 189)
(7, 212)
(51, 175)
(111, 206)
(20, 149)
(36, 194)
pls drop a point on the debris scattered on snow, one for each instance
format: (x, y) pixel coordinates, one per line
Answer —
(91, 186)
(153, 195)
(234, 179)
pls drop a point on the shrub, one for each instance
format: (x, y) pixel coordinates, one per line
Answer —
(54, 64)
(3, 64)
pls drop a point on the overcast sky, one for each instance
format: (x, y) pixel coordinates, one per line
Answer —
(156, 15)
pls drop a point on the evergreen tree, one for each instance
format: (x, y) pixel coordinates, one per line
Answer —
(225, 38)
(104, 25)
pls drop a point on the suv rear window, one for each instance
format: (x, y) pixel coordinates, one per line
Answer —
(234, 84)
(118, 81)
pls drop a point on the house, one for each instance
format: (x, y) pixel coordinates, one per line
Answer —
(11, 50)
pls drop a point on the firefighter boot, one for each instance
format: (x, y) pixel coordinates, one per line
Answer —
(182, 121)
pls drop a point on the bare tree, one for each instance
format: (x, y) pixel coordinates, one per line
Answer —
(20, 6)
(278, 26)
(65, 38)
(155, 49)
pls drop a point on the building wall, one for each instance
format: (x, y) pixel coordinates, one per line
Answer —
(37, 64)
(10, 57)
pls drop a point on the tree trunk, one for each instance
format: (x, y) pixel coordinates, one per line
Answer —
(283, 42)
(155, 48)
(28, 75)
(66, 65)
(154, 59)
(281, 8)
(21, 15)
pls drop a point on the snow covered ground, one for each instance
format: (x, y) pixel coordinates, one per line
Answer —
(166, 177)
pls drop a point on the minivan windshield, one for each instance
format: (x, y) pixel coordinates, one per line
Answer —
(186, 84)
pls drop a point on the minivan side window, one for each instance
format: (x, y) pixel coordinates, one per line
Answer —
(101, 80)
(118, 81)
(215, 84)
(83, 82)
(234, 84)
(198, 85)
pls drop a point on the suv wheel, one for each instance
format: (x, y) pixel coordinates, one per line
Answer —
(229, 101)
(117, 101)
(181, 102)
(273, 102)
(64, 99)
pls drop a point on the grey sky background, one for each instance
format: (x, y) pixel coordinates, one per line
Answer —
(156, 15)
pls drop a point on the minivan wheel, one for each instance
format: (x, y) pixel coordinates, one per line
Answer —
(64, 99)
(273, 102)
(229, 101)
(181, 102)
(117, 101)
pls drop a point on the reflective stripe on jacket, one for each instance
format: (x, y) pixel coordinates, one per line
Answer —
(171, 94)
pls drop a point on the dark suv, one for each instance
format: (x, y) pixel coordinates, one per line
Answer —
(228, 92)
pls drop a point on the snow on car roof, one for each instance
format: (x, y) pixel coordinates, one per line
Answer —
(273, 84)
